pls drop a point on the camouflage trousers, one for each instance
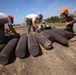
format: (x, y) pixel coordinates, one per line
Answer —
(29, 25)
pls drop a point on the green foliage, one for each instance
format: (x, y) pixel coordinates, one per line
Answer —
(55, 19)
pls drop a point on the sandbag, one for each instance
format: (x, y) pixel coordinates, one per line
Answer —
(21, 47)
(57, 37)
(33, 46)
(8, 51)
(43, 41)
(44, 33)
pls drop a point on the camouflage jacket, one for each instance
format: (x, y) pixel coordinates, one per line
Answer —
(71, 18)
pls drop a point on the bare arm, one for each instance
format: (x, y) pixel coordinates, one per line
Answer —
(12, 29)
(34, 25)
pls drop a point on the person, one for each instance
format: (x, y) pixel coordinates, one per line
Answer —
(44, 23)
(31, 20)
(4, 19)
(70, 21)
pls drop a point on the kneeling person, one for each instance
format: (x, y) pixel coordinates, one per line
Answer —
(70, 21)
(4, 19)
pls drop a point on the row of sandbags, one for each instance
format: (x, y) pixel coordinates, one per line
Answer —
(7, 49)
(20, 46)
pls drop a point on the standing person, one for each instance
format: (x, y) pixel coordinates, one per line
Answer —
(31, 21)
(4, 19)
(70, 21)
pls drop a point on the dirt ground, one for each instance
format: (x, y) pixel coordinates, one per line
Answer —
(60, 60)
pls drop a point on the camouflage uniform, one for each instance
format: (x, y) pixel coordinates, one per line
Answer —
(71, 18)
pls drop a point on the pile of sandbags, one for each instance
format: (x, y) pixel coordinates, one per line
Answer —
(19, 46)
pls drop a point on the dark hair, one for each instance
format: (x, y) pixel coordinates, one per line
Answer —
(40, 15)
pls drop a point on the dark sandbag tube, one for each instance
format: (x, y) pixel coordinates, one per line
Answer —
(8, 51)
(70, 34)
(62, 33)
(2, 46)
(33, 46)
(43, 41)
(47, 35)
(7, 39)
(21, 47)
(57, 37)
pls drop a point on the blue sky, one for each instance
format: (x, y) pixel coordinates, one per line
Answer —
(20, 8)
